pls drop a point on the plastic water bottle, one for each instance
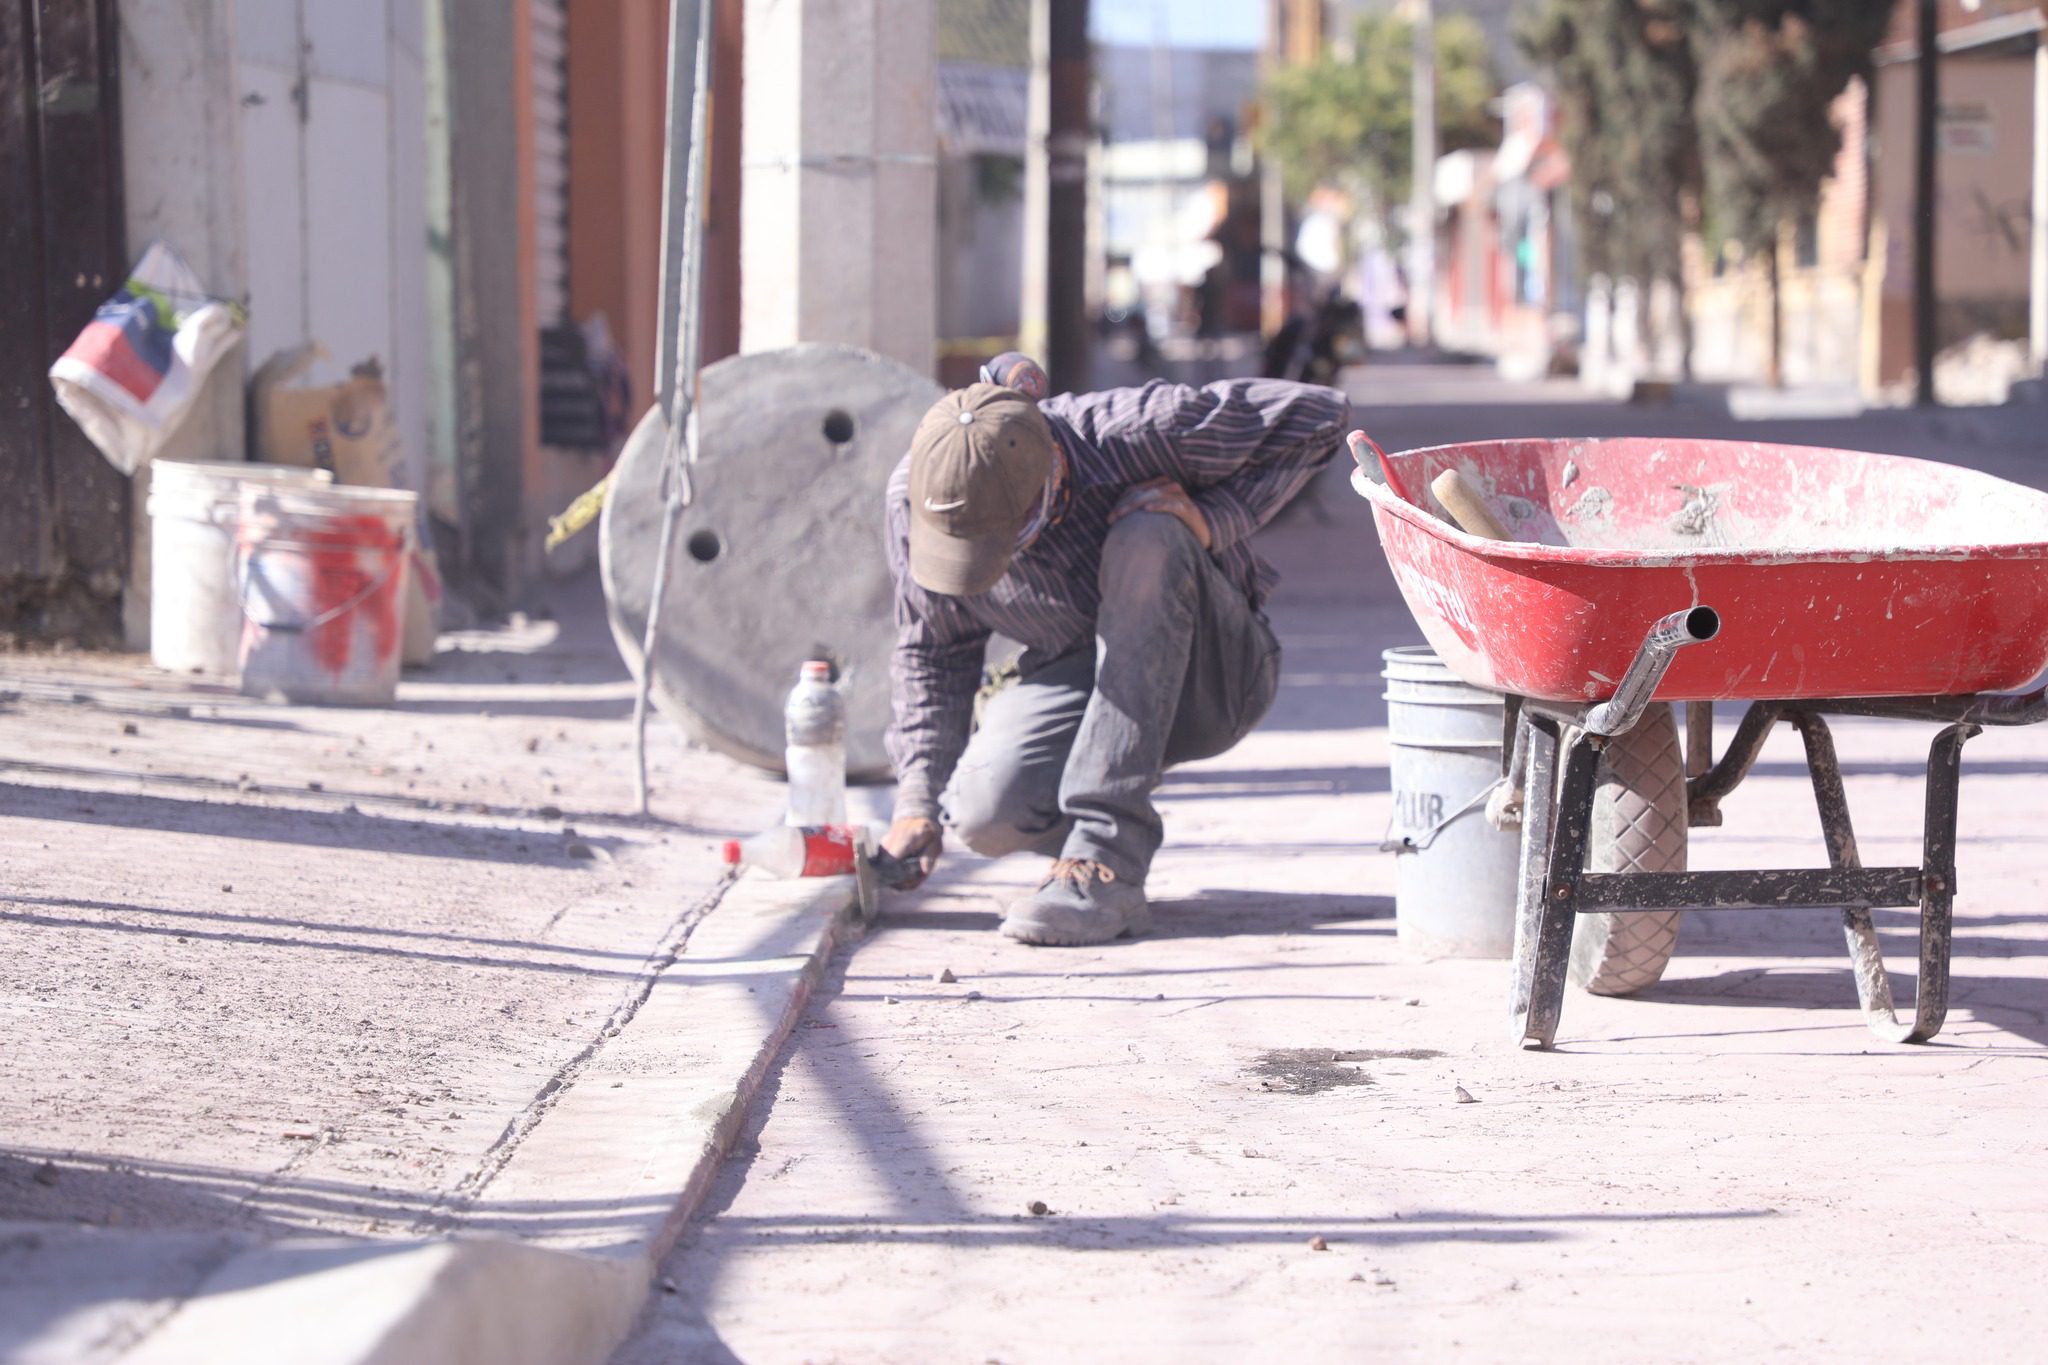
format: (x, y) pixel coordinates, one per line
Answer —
(809, 851)
(814, 728)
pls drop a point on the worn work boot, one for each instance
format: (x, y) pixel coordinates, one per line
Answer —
(1079, 902)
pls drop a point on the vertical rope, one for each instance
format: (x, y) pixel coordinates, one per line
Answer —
(680, 451)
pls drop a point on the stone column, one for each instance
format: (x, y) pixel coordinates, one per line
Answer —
(838, 199)
(2037, 311)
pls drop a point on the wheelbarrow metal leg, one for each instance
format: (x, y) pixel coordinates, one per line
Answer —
(1873, 986)
(1937, 883)
(1536, 744)
(1557, 913)
(1938, 889)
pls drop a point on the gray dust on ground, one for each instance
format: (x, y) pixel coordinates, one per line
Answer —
(1312, 1070)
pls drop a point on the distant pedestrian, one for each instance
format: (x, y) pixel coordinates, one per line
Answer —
(1108, 534)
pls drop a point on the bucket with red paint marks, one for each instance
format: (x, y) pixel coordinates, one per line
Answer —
(322, 573)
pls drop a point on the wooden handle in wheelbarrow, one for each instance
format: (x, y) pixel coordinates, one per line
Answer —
(1466, 507)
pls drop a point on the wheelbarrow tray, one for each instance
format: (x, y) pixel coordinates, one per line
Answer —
(1836, 573)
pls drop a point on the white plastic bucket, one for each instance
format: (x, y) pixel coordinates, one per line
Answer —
(1456, 875)
(323, 579)
(195, 609)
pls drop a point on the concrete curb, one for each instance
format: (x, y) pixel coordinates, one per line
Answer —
(589, 1202)
(369, 1303)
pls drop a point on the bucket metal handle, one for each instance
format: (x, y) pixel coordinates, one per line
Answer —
(376, 586)
(1405, 844)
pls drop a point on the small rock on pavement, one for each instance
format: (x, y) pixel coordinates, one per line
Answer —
(668, 1286)
(1037, 1208)
(576, 848)
(1318, 1243)
(129, 727)
(549, 812)
(1464, 1095)
(46, 1174)
(945, 976)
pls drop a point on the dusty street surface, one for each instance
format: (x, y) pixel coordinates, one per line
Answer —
(1243, 1137)
(276, 970)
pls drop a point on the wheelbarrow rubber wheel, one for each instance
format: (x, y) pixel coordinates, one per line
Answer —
(1639, 825)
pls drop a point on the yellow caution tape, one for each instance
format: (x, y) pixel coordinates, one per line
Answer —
(578, 514)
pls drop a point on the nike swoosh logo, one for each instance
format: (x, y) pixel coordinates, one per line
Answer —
(931, 506)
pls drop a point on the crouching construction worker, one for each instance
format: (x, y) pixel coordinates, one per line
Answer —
(1108, 534)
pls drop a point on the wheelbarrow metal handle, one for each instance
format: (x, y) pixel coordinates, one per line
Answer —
(1619, 713)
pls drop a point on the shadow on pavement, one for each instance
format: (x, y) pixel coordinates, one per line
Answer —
(574, 965)
(140, 1195)
(2015, 1004)
(322, 927)
(1208, 784)
(1222, 912)
(358, 830)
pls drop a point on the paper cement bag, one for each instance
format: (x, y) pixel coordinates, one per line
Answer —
(347, 429)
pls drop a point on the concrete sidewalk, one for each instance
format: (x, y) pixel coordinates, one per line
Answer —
(1245, 1137)
(294, 995)
(397, 1033)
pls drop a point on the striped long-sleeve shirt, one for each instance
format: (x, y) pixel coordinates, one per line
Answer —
(1242, 448)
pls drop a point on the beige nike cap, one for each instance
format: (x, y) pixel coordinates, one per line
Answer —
(978, 466)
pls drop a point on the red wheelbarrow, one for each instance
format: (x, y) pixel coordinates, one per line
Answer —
(1803, 582)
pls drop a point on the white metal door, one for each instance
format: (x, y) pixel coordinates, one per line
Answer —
(334, 184)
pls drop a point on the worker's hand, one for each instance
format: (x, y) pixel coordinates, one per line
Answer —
(916, 842)
(1164, 495)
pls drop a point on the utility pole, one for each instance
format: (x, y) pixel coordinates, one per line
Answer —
(1294, 37)
(1929, 112)
(2037, 319)
(1272, 195)
(1056, 193)
(675, 205)
(1422, 192)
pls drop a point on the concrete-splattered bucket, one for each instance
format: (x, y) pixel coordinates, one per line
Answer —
(1456, 874)
(195, 608)
(323, 577)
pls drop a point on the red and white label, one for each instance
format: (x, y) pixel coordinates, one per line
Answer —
(829, 851)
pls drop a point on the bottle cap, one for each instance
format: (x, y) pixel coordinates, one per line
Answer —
(731, 852)
(817, 670)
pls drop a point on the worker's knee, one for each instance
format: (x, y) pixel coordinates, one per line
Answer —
(1147, 549)
(998, 811)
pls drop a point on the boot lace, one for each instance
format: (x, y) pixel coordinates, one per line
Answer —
(1078, 872)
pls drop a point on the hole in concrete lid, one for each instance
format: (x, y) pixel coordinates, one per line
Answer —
(838, 426)
(704, 546)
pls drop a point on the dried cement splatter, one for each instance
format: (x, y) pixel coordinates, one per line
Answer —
(1696, 517)
(1595, 504)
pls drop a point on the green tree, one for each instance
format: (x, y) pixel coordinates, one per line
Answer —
(1769, 72)
(1349, 121)
(1623, 74)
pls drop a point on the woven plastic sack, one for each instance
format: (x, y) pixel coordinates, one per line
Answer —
(133, 373)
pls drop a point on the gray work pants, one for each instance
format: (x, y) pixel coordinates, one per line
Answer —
(1066, 759)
